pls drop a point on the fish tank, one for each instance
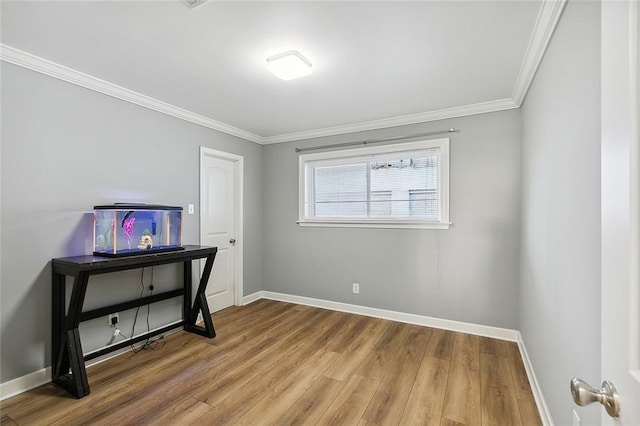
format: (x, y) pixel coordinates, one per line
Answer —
(123, 229)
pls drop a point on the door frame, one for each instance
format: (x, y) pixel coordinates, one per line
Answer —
(620, 192)
(238, 177)
(634, 130)
(634, 192)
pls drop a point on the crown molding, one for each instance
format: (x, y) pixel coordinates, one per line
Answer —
(52, 69)
(442, 114)
(546, 22)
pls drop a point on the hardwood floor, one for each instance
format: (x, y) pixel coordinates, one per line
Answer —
(285, 364)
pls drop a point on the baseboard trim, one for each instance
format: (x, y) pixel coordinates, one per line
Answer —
(462, 327)
(25, 383)
(543, 409)
(253, 297)
(42, 377)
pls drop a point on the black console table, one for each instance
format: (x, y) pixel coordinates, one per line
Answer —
(67, 359)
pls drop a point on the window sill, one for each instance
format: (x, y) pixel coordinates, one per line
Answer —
(374, 224)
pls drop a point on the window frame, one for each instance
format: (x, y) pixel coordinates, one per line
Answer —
(441, 144)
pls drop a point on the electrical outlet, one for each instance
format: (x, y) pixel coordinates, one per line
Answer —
(191, 208)
(114, 318)
(356, 288)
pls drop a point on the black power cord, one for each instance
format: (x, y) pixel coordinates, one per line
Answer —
(148, 344)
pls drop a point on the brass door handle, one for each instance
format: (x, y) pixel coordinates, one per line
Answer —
(584, 394)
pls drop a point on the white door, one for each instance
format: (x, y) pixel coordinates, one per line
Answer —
(220, 224)
(621, 207)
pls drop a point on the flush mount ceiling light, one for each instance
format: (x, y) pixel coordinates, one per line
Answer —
(289, 65)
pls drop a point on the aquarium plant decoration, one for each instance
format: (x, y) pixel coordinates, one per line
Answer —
(127, 226)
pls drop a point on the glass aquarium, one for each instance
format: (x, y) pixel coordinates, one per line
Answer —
(132, 229)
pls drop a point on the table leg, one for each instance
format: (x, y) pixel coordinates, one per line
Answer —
(200, 304)
(57, 326)
(70, 356)
(186, 305)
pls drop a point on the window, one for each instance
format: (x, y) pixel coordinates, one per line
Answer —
(396, 186)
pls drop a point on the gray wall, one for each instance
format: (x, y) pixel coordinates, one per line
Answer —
(66, 149)
(560, 271)
(397, 269)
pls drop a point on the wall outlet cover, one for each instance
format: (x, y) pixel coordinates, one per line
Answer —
(115, 316)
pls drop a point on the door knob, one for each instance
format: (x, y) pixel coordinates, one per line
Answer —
(584, 394)
(232, 241)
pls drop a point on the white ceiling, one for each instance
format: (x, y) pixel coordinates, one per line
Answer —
(373, 62)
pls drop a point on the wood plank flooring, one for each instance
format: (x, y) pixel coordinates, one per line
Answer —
(284, 364)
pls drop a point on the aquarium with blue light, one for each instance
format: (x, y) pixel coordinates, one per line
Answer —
(132, 229)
